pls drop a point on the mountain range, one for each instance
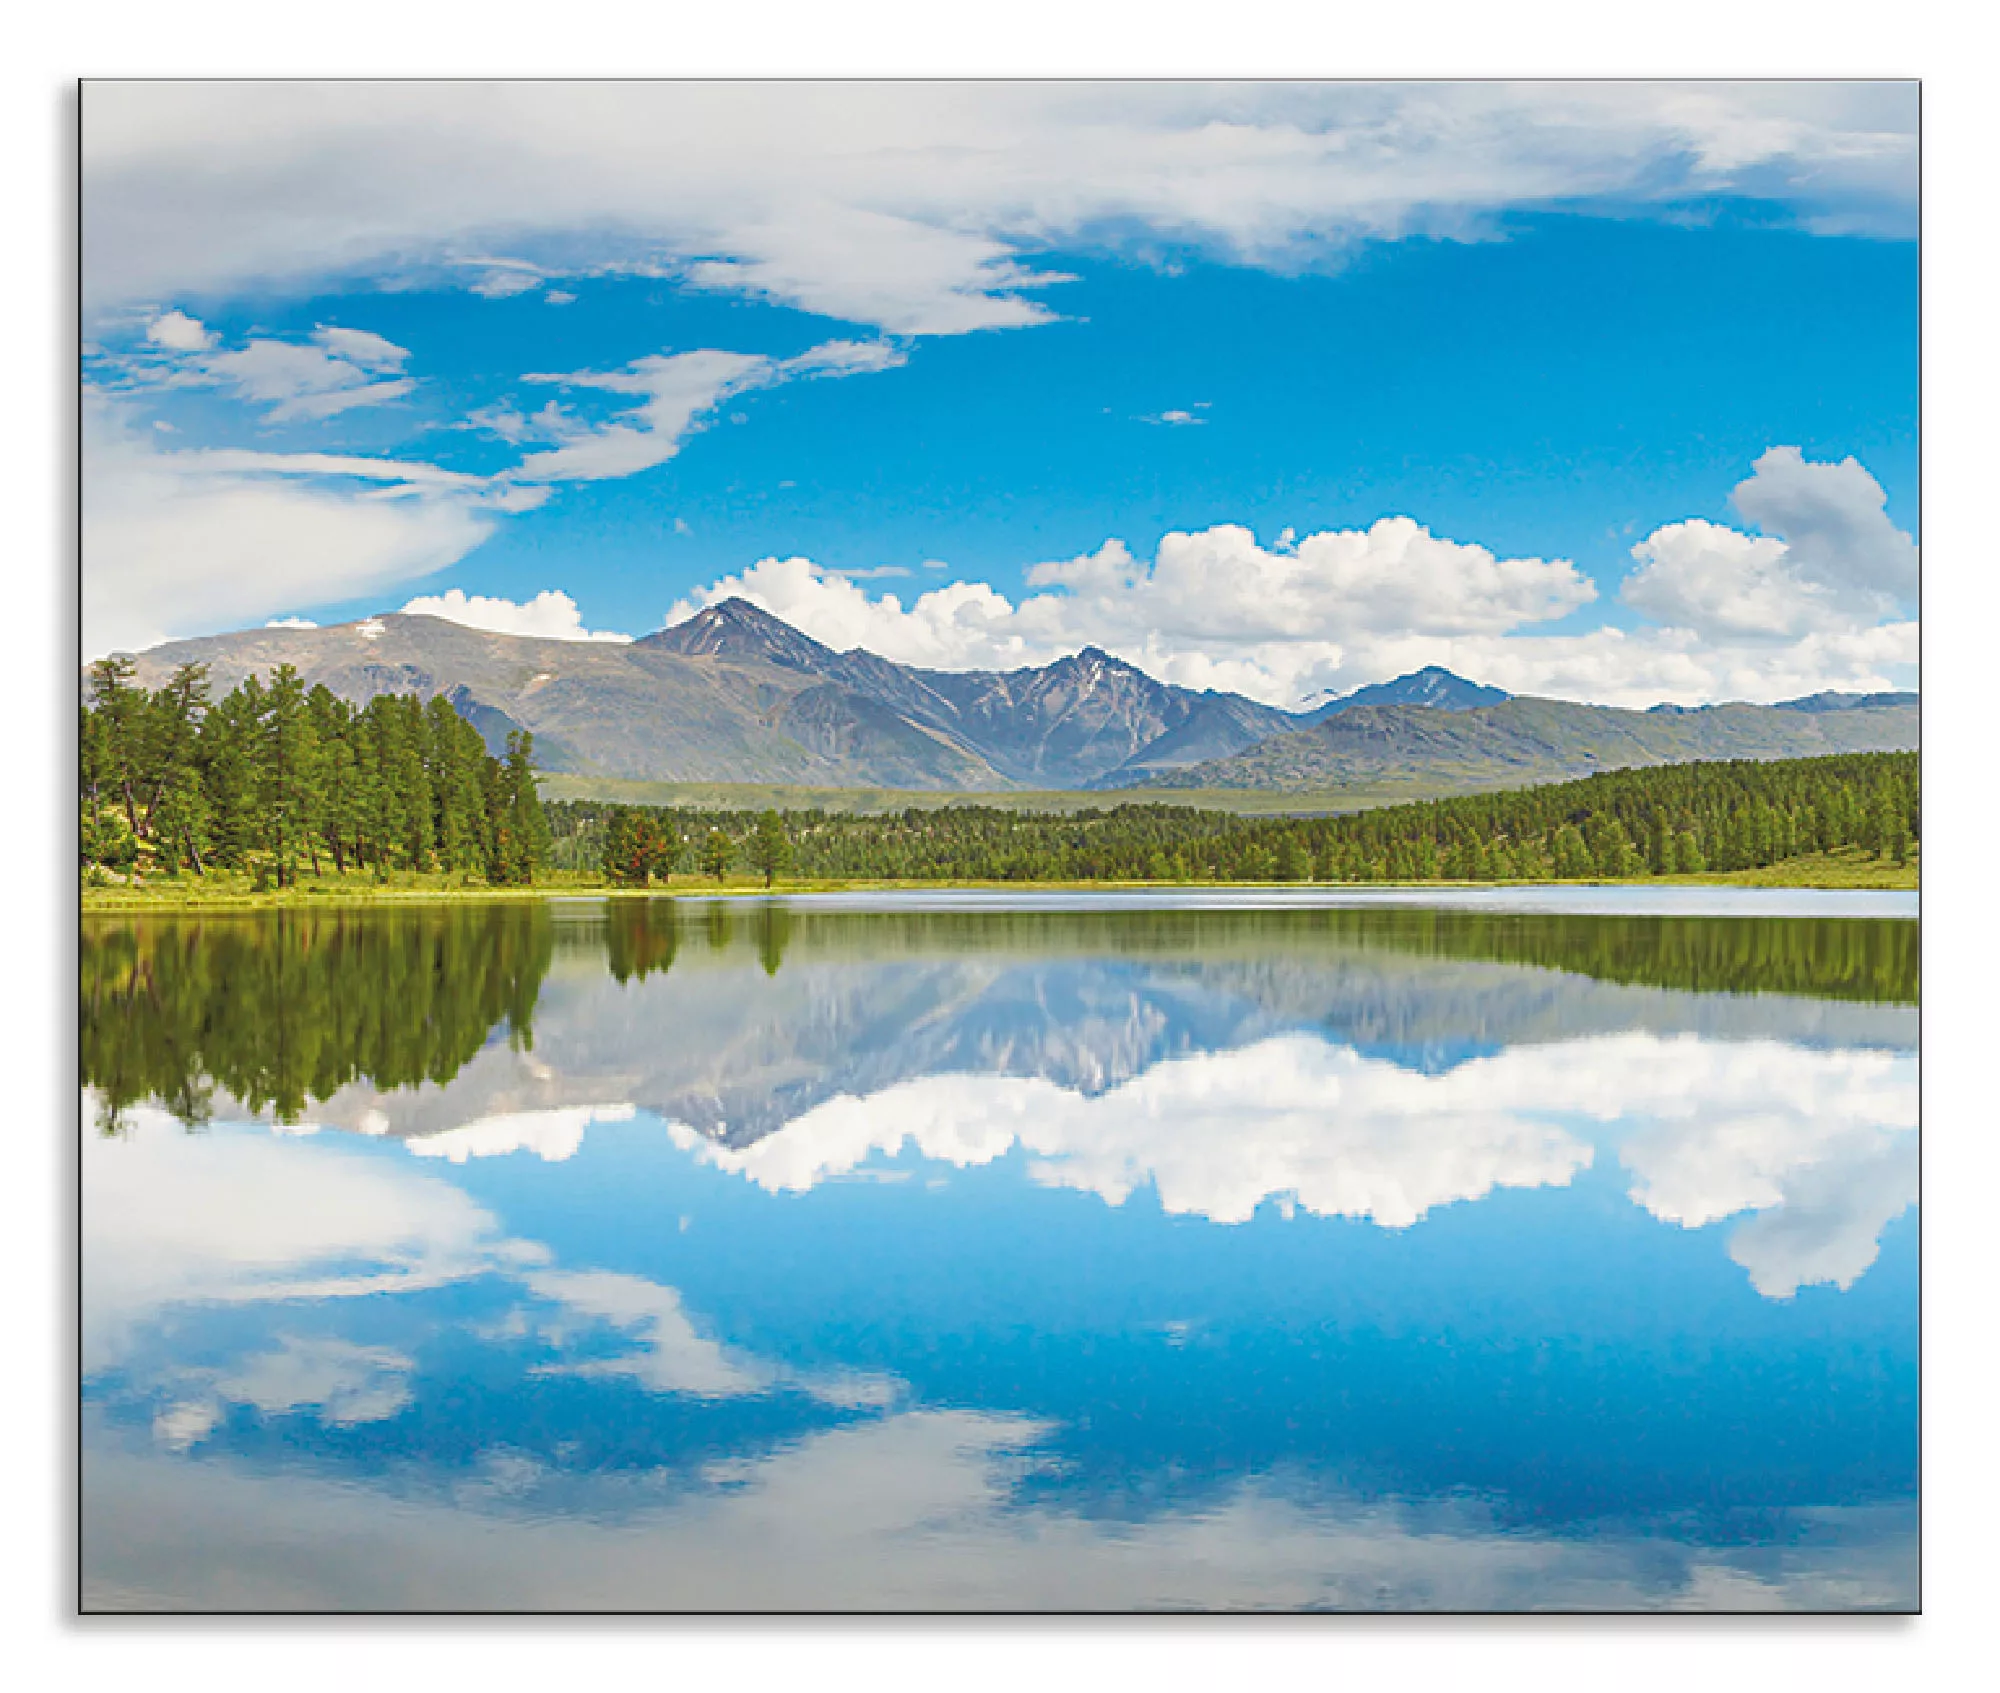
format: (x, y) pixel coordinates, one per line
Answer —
(733, 694)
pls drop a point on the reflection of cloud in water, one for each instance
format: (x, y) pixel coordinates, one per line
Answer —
(671, 1357)
(1216, 1134)
(173, 1218)
(343, 1383)
(914, 1511)
(1820, 1143)
(551, 1135)
(1829, 1226)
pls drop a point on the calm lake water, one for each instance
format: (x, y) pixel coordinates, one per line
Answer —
(971, 1254)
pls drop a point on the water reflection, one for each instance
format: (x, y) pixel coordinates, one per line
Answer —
(664, 1255)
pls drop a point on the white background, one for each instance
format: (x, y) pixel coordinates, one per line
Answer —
(47, 47)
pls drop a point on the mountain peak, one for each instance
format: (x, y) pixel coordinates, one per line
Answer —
(736, 629)
(1433, 686)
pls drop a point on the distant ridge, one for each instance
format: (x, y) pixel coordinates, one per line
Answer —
(735, 694)
(1524, 741)
(1847, 702)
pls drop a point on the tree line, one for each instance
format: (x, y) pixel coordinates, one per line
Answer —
(278, 779)
(1664, 820)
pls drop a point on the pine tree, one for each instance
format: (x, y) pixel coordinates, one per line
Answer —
(291, 781)
(770, 847)
(716, 852)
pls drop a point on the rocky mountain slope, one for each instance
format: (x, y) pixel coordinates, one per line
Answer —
(734, 694)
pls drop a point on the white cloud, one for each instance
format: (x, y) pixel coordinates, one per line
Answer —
(675, 391)
(337, 370)
(918, 208)
(1213, 609)
(1642, 667)
(299, 381)
(504, 284)
(550, 616)
(290, 623)
(178, 543)
(1743, 617)
(846, 358)
(179, 333)
(1828, 558)
(362, 347)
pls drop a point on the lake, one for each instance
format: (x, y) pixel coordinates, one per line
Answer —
(983, 1253)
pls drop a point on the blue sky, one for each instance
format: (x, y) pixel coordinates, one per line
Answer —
(1283, 447)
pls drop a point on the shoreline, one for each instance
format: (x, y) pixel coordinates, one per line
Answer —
(165, 898)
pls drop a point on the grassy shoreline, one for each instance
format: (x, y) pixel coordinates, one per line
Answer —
(1845, 869)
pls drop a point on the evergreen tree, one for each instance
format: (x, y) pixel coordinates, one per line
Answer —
(770, 847)
(716, 852)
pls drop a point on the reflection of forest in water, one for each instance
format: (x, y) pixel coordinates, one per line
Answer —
(279, 1010)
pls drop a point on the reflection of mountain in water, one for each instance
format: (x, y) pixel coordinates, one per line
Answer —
(1431, 1015)
(415, 1022)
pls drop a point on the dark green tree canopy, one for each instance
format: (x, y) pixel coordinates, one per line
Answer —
(278, 779)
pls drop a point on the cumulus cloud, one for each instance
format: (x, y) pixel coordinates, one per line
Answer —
(1749, 617)
(1211, 609)
(915, 208)
(179, 333)
(178, 543)
(1828, 557)
(550, 616)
